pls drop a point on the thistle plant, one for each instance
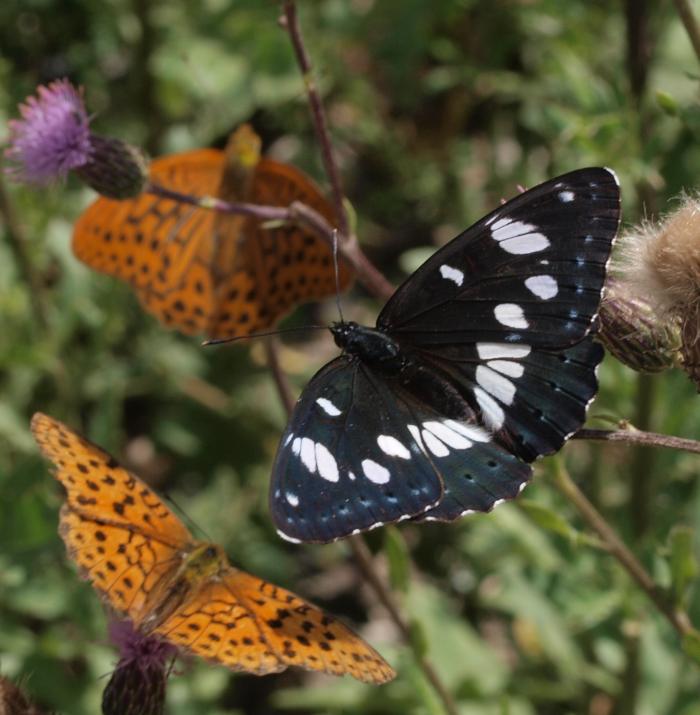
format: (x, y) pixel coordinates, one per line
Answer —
(53, 138)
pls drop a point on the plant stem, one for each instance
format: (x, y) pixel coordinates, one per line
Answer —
(297, 213)
(378, 285)
(641, 467)
(676, 617)
(18, 243)
(363, 558)
(281, 383)
(639, 437)
(690, 23)
(290, 21)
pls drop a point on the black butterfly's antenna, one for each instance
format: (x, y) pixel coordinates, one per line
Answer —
(336, 271)
(236, 338)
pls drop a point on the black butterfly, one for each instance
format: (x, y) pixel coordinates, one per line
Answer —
(481, 361)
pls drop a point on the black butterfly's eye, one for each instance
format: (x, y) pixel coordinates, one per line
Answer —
(481, 361)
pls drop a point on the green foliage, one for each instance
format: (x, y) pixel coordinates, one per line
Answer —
(437, 111)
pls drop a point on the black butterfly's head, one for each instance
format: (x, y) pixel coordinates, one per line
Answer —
(342, 332)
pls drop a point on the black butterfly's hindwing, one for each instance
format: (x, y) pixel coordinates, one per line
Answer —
(551, 392)
(482, 361)
(347, 461)
(530, 272)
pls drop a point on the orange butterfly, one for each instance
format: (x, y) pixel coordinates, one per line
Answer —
(202, 271)
(146, 565)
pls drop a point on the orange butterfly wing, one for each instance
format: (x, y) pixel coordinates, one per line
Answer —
(132, 548)
(249, 624)
(205, 272)
(286, 265)
(123, 538)
(163, 248)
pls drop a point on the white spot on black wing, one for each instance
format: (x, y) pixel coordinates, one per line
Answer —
(375, 472)
(326, 464)
(488, 351)
(493, 415)
(328, 407)
(392, 447)
(517, 237)
(511, 315)
(495, 384)
(543, 286)
(452, 274)
(293, 499)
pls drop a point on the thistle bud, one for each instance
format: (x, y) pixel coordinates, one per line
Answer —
(137, 685)
(115, 169)
(13, 701)
(630, 330)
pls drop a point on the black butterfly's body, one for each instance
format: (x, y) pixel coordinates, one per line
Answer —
(481, 361)
(385, 356)
(372, 347)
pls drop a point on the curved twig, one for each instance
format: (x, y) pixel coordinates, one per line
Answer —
(638, 437)
(677, 618)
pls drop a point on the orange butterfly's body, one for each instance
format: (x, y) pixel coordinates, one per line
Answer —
(146, 565)
(204, 271)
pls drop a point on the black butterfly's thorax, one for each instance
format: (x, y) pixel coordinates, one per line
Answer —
(373, 347)
(386, 356)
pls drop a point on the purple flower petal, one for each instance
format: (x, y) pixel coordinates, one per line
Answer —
(52, 137)
(134, 647)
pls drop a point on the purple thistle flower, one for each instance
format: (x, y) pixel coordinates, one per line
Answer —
(137, 685)
(52, 137)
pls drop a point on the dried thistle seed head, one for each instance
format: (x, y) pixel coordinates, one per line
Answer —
(690, 351)
(631, 330)
(663, 260)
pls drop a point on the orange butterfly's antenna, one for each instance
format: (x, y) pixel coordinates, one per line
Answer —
(236, 338)
(186, 517)
(336, 273)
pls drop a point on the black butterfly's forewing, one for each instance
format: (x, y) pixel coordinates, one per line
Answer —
(531, 272)
(347, 461)
(551, 392)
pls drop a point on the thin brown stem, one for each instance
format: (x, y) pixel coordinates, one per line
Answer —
(378, 285)
(18, 243)
(685, 12)
(281, 383)
(676, 617)
(363, 558)
(290, 21)
(297, 213)
(638, 437)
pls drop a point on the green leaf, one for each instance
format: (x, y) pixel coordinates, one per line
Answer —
(667, 102)
(419, 639)
(398, 558)
(691, 645)
(683, 562)
(547, 518)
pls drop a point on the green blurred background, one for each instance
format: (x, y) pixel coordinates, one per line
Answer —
(437, 111)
